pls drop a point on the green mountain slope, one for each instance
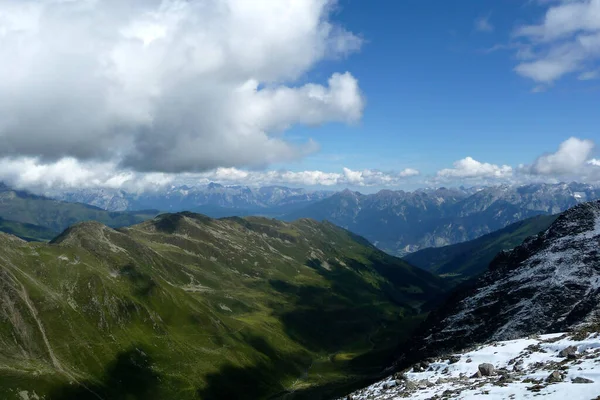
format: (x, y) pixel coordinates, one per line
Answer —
(27, 232)
(188, 307)
(464, 260)
(24, 207)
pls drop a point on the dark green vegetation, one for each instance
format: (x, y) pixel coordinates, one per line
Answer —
(465, 260)
(27, 232)
(55, 216)
(187, 307)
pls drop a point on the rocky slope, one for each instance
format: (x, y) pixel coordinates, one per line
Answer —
(549, 283)
(403, 222)
(555, 366)
(188, 307)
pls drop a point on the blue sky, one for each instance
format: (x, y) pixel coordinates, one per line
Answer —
(315, 93)
(435, 95)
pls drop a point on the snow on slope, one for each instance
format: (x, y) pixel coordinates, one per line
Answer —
(522, 368)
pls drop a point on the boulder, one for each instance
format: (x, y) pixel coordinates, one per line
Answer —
(581, 380)
(568, 351)
(486, 369)
(554, 377)
(453, 359)
(477, 375)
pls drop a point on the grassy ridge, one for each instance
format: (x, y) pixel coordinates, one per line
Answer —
(187, 307)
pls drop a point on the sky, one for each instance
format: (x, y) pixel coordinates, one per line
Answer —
(317, 93)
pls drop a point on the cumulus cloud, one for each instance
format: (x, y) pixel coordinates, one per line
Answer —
(70, 173)
(571, 161)
(572, 155)
(168, 85)
(566, 41)
(471, 168)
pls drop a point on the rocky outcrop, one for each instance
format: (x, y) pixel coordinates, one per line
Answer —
(550, 283)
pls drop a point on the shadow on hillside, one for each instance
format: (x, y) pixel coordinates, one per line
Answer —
(128, 377)
(344, 314)
(142, 283)
(260, 380)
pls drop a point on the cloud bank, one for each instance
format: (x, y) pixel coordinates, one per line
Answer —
(69, 173)
(171, 85)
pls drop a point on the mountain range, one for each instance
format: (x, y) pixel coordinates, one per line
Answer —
(398, 222)
(185, 306)
(401, 222)
(180, 305)
(212, 199)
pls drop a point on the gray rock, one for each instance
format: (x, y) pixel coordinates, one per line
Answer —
(486, 369)
(410, 385)
(581, 380)
(477, 375)
(566, 352)
(518, 367)
(554, 377)
(400, 376)
(453, 359)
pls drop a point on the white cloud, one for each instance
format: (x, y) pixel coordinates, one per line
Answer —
(571, 161)
(471, 168)
(168, 85)
(482, 24)
(570, 158)
(69, 173)
(566, 41)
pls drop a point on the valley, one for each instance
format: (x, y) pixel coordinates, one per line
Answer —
(182, 306)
